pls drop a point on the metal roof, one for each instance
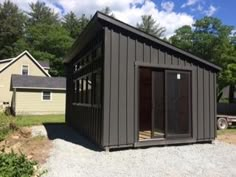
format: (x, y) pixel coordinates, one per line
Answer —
(38, 82)
(105, 20)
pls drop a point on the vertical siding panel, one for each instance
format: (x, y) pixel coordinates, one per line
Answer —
(122, 90)
(211, 111)
(174, 60)
(200, 103)
(194, 102)
(147, 54)
(168, 58)
(106, 97)
(154, 56)
(215, 106)
(161, 57)
(139, 51)
(130, 91)
(114, 91)
(187, 63)
(181, 62)
(206, 104)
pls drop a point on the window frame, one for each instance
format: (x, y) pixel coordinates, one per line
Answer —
(22, 68)
(42, 95)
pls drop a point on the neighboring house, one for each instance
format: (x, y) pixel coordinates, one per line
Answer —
(38, 95)
(24, 76)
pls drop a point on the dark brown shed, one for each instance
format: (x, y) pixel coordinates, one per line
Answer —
(126, 88)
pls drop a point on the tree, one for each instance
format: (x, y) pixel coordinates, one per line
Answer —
(72, 24)
(108, 11)
(150, 26)
(213, 41)
(12, 22)
(49, 42)
(183, 38)
(40, 13)
(46, 38)
(83, 21)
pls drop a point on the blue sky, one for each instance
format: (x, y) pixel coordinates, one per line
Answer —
(225, 9)
(171, 14)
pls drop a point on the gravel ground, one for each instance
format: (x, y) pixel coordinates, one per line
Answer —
(73, 156)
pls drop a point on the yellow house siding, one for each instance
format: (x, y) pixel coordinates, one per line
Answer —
(30, 102)
(15, 68)
(3, 64)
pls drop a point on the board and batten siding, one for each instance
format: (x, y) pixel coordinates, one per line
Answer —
(124, 53)
(30, 102)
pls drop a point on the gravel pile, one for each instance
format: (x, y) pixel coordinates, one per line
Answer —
(73, 156)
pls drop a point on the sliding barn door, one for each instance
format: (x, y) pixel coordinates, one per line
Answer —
(178, 103)
(164, 103)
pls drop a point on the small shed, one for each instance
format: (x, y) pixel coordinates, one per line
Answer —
(126, 88)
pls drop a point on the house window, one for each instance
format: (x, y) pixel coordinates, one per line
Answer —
(25, 70)
(47, 96)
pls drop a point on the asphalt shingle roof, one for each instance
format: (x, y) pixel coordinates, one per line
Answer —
(44, 64)
(20, 81)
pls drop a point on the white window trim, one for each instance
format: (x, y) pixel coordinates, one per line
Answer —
(22, 69)
(42, 95)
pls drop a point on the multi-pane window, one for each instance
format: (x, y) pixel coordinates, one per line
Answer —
(87, 77)
(88, 89)
(46, 96)
(25, 70)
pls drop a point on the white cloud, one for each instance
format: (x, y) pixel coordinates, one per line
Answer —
(168, 6)
(189, 3)
(199, 7)
(210, 11)
(129, 11)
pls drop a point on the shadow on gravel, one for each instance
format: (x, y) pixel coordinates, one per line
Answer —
(64, 132)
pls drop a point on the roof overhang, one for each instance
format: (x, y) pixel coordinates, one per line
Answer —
(88, 33)
(102, 20)
(39, 88)
(13, 60)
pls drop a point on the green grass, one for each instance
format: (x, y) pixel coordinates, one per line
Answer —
(22, 121)
(38, 120)
(231, 130)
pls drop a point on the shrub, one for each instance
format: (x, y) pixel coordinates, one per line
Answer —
(4, 132)
(13, 165)
(7, 125)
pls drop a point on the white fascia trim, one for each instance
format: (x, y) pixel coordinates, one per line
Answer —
(31, 57)
(44, 88)
(6, 60)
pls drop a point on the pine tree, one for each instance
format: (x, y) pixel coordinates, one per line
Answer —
(12, 22)
(150, 26)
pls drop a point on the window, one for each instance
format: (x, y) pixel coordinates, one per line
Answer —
(25, 70)
(46, 96)
(75, 90)
(97, 91)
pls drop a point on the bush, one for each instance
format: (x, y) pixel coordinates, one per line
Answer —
(13, 165)
(7, 125)
(4, 131)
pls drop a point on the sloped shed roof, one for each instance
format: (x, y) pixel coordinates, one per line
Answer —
(100, 20)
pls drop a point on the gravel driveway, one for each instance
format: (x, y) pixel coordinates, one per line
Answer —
(73, 156)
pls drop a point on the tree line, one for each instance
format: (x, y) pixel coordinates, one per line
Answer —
(47, 36)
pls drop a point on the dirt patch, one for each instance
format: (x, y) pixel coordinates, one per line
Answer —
(35, 148)
(228, 138)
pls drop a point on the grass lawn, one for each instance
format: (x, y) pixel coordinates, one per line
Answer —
(21, 121)
(38, 120)
(231, 130)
